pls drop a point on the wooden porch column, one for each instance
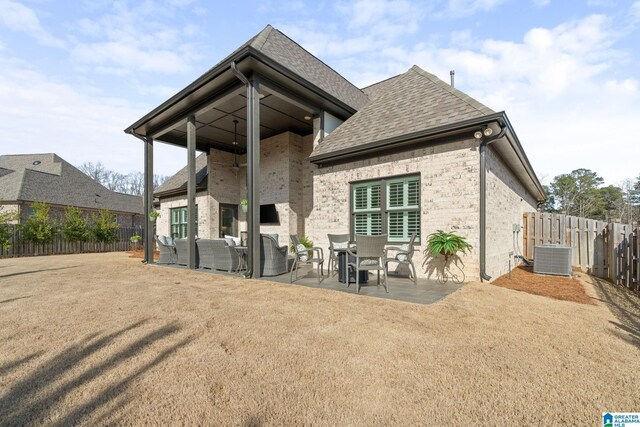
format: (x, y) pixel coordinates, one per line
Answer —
(191, 192)
(253, 176)
(147, 200)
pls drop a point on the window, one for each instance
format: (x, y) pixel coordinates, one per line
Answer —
(179, 222)
(388, 206)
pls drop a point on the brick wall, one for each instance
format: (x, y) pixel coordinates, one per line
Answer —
(507, 200)
(163, 223)
(449, 182)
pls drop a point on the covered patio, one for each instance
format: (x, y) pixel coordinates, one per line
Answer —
(247, 98)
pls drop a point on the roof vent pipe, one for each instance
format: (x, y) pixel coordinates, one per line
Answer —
(452, 73)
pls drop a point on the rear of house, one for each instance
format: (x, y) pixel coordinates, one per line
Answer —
(408, 155)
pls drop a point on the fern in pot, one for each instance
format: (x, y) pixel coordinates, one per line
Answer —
(446, 244)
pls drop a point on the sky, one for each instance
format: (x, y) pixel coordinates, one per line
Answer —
(74, 75)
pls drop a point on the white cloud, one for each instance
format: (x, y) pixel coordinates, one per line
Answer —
(38, 114)
(20, 18)
(541, 3)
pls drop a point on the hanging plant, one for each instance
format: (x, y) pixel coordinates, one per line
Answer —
(153, 215)
(244, 204)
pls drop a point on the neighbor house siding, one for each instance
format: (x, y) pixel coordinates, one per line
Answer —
(449, 195)
(507, 200)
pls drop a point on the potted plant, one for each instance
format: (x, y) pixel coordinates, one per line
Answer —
(244, 203)
(135, 242)
(446, 244)
(153, 215)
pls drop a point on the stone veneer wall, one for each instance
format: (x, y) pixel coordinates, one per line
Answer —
(163, 223)
(507, 200)
(449, 180)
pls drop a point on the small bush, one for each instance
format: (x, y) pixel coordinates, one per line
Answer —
(38, 228)
(105, 227)
(76, 226)
(5, 229)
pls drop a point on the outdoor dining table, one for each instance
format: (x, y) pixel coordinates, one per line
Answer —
(343, 268)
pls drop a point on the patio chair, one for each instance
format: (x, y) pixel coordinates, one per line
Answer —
(370, 255)
(306, 256)
(181, 251)
(336, 241)
(273, 258)
(167, 252)
(403, 257)
(217, 254)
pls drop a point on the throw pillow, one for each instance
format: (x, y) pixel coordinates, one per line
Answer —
(275, 237)
(402, 256)
(302, 252)
(369, 261)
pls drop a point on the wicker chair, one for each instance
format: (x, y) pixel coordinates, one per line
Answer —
(273, 258)
(403, 257)
(370, 255)
(335, 240)
(302, 257)
(167, 252)
(216, 254)
(181, 250)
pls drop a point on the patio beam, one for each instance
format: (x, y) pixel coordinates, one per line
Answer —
(147, 200)
(191, 192)
(253, 175)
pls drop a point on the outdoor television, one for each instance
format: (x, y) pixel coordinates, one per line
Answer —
(269, 214)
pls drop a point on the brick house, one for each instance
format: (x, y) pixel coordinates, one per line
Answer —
(408, 154)
(27, 178)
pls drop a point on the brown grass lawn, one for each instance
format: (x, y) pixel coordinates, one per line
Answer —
(102, 339)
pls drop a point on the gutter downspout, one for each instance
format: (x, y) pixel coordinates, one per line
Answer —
(483, 199)
(249, 272)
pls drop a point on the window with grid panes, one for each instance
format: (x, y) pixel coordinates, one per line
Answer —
(389, 206)
(179, 222)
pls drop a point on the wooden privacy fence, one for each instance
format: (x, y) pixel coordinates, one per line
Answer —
(607, 250)
(59, 245)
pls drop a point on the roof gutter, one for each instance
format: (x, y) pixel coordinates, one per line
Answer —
(484, 143)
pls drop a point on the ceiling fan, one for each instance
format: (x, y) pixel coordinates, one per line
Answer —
(235, 166)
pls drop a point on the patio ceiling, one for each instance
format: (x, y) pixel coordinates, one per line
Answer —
(215, 127)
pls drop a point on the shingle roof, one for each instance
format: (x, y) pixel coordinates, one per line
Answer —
(410, 102)
(48, 178)
(291, 55)
(178, 183)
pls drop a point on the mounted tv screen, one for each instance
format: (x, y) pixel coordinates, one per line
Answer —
(269, 214)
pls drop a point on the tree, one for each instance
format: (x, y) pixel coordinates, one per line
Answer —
(76, 226)
(105, 227)
(576, 193)
(608, 207)
(131, 183)
(5, 227)
(38, 227)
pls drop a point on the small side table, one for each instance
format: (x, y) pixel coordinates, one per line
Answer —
(242, 254)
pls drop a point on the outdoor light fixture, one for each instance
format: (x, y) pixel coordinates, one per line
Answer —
(477, 134)
(484, 132)
(487, 131)
(307, 117)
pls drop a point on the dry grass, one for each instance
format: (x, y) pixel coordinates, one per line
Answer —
(102, 339)
(558, 287)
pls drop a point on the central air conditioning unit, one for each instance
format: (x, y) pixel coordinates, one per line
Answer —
(552, 259)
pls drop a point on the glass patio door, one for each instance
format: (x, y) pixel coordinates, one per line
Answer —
(229, 220)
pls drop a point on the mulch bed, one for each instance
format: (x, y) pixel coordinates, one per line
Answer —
(558, 287)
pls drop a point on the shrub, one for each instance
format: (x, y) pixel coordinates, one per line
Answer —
(105, 227)
(38, 228)
(75, 227)
(5, 228)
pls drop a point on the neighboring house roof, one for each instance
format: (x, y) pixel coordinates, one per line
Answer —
(177, 184)
(50, 179)
(404, 104)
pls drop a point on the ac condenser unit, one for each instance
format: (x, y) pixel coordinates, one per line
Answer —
(552, 259)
